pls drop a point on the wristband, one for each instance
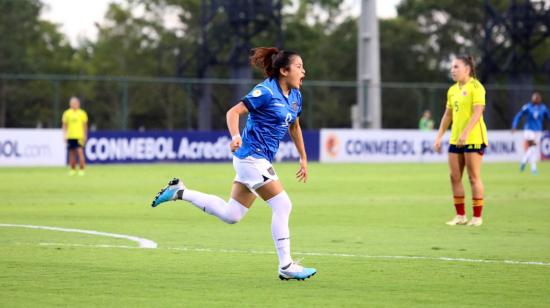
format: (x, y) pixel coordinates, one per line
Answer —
(235, 136)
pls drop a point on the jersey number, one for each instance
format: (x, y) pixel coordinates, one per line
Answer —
(288, 118)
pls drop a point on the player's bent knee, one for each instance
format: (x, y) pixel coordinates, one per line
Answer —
(281, 203)
(232, 221)
(235, 212)
(455, 178)
(474, 180)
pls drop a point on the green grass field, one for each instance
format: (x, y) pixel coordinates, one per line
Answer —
(375, 233)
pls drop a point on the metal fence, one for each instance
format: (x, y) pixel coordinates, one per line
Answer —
(146, 103)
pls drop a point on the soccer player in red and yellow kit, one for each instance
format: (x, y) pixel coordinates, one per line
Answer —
(75, 131)
(465, 105)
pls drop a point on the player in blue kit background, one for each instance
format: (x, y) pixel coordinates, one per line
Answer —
(273, 107)
(535, 112)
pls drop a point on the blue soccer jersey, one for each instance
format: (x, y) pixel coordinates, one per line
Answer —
(270, 113)
(535, 115)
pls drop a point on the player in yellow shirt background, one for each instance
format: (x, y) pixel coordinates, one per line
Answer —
(75, 132)
(465, 105)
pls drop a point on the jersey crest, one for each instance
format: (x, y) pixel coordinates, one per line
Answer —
(295, 106)
(256, 93)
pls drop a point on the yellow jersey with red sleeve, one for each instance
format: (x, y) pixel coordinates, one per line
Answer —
(461, 100)
(75, 119)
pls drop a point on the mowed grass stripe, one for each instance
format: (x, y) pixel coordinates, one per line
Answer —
(378, 210)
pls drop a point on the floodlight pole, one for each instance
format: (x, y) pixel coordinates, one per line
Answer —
(368, 69)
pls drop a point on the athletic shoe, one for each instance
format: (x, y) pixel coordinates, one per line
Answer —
(521, 167)
(534, 172)
(296, 271)
(71, 172)
(475, 222)
(458, 220)
(80, 172)
(168, 193)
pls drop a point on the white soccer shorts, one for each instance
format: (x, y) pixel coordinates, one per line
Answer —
(532, 135)
(254, 172)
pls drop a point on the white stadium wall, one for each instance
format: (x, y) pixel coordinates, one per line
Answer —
(46, 147)
(32, 147)
(361, 145)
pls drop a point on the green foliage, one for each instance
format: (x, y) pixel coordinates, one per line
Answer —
(455, 27)
(29, 45)
(163, 38)
(403, 53)
(20, 14)
(452, 27)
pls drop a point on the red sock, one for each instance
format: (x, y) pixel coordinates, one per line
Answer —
(459, 205)
(478, 206)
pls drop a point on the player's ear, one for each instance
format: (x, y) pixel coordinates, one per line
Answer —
(283, 71)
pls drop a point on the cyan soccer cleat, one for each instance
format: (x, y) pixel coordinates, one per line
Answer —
(296, 271)
(169, 192)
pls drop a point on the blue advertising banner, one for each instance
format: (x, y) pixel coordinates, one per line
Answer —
(545, 146)
(107, 147)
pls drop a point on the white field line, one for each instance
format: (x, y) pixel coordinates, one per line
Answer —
(142, 242)
(340, 255)
(145, 243)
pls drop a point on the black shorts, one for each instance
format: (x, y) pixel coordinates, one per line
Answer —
(467, 148)
(73, 144)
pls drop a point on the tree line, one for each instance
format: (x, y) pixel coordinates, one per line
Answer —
(136, 39)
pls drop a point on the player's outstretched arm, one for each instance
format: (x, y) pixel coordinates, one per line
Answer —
(518, 117)
(295, 132)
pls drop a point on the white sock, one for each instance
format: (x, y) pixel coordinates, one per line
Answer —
(532, 156)
(281, 207)
(525, 157)
(230, 212)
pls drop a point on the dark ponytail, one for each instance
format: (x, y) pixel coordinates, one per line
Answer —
(469, 61)
(270, 60)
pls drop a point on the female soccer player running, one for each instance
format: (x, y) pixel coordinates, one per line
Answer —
(535, 113)
(465, 105)
(274, 107)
